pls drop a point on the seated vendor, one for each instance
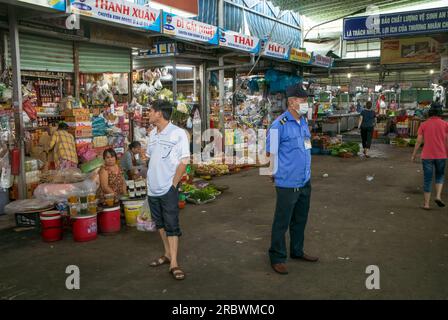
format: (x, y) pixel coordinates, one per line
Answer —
(111, 176)
(131, 163)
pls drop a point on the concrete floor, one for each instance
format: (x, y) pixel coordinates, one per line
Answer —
(224, 246)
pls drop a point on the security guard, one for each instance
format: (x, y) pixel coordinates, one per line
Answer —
(289, 147)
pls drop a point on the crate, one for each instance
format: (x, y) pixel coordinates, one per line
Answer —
(84, 118)
(76, 112)
(27, 219)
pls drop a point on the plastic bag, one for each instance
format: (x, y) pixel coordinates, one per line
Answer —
(158, 85)
(144, 222)
(71, 175)
(189, 123)
(57, 192)
(27, 205)
(29, 109)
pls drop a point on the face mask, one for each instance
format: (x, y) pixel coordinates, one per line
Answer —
(303, 108)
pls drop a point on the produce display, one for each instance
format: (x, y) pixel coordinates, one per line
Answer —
(344, 149)
(212, 169)
(200, 193)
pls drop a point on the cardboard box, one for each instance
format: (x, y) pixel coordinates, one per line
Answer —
(76, 112)
(85, 118)
(99, 142)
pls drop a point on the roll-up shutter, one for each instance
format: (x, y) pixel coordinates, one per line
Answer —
(44, 54)
(94, 58)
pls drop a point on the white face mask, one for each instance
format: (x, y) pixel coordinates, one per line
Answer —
(303, 108)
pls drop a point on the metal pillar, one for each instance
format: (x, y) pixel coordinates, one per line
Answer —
(174, 81)
(203, 93)
(221, 97)
(17, 96)
(195, 84)
(221, 72)
(76, 70)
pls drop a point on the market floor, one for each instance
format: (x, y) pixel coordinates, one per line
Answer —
(353, 223)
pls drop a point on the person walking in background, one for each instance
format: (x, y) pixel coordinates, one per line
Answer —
(291, 154)
(434, 134)
(169, 153)
(367, 122)
(63, 144)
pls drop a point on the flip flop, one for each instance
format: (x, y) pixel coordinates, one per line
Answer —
(440, 203)
(177, 273)
(424, 208)
(160, 261)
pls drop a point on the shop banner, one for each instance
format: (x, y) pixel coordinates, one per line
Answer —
(274, 50)
(396, 24)
(239, 41)
(52, 4)
(409, 50)
(321, 61)
(189, 29)
(301, 56)
(119, 11)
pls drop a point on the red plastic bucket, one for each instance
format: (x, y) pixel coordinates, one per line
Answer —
(109, 220)
(52, 213)
(51, 228)
(84, 228)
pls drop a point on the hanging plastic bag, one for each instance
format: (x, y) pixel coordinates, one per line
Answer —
(189, 123)
(158, 85)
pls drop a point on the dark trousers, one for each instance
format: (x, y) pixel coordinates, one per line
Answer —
(291, 212)
(366, 136)
(165, 212)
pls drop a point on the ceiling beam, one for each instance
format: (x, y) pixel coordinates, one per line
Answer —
(338, 4)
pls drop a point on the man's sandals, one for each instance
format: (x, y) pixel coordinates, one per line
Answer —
(160, 261)
(177, 273)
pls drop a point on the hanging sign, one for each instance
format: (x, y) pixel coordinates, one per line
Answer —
(119, 11)
(396, 24)
(275, 50)
(410, 50)
(52, 4)
(239, 41)
(321, 61)
(301, 56)
(189, 29)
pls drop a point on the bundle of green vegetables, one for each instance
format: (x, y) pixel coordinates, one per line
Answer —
(348, 147)
(201, 195)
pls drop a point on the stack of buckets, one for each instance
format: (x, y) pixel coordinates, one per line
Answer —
(51, 226)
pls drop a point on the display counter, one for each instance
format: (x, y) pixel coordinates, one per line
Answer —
(340, 122)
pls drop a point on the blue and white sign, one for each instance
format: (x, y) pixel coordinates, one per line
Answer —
(189, 29)
(119, 11)
(275, 50)
(396, 24)
(238, 41)
(52, 4)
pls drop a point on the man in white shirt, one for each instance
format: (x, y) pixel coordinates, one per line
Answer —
(169, 153)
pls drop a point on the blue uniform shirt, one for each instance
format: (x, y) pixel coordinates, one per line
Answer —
(293, 168)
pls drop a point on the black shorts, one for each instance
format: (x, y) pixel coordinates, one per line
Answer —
(165, 212)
